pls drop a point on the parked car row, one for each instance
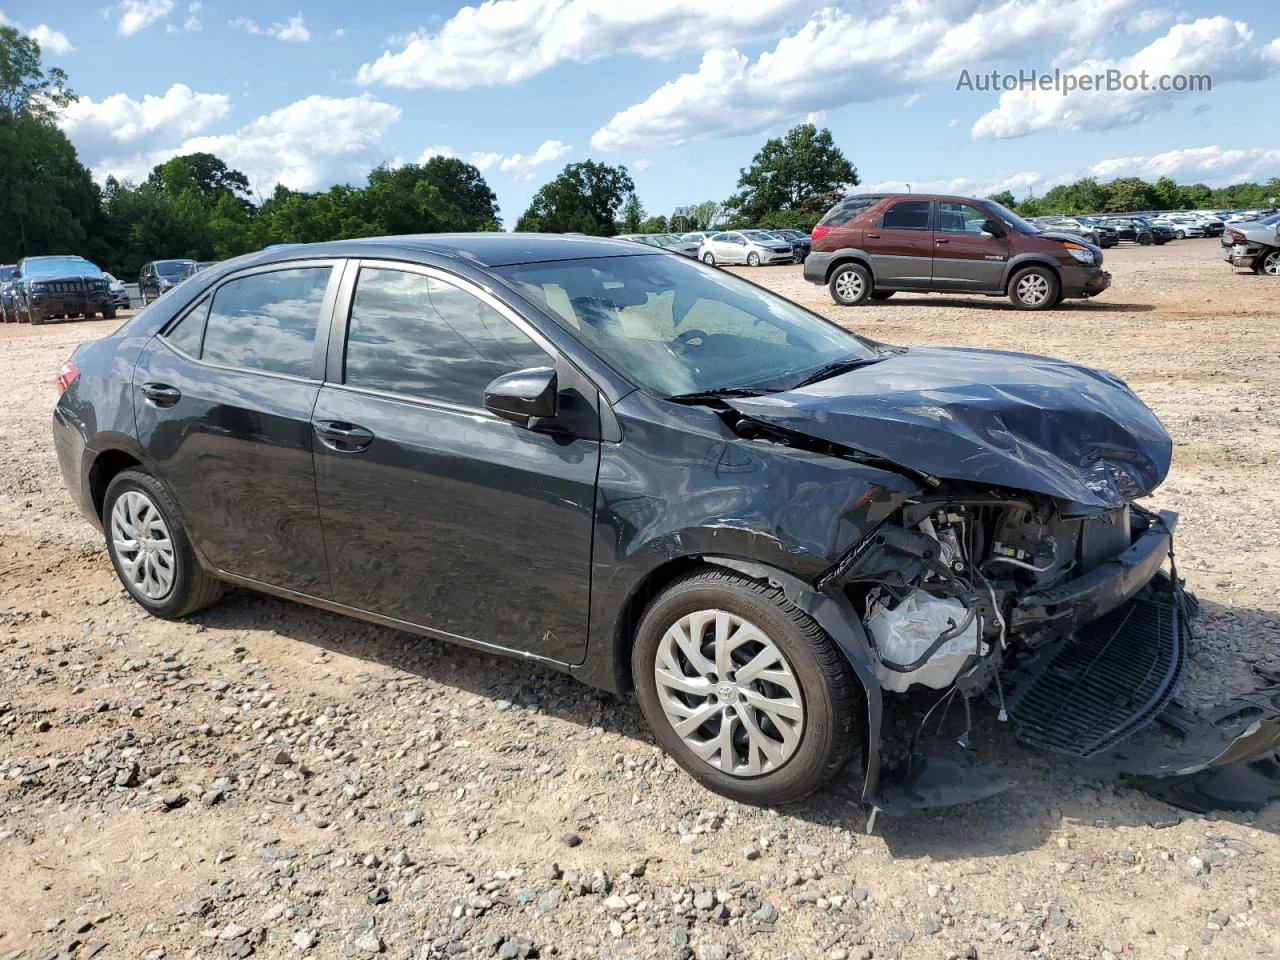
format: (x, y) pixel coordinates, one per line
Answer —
(752, 247)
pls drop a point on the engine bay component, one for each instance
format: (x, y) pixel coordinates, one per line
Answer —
(910, 633)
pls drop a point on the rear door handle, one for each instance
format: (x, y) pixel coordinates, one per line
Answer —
(940, 240)
(161, 394)
(874, 236)
(342, 436)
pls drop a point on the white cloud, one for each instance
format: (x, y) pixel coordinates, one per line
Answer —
(505, 41)
(98, 127)
(50, 40)
(307, 145)
(295, 30)
(440, 150)
(136, 15)
(1017, 183)
(840, 57)
(1215, 46)
(1145, 20)
(193, 15)
(519, 164)
(641, 165)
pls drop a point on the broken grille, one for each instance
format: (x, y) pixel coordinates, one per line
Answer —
(1108, 682)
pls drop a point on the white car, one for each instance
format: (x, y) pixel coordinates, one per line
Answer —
(752, 247)
(1182, 227)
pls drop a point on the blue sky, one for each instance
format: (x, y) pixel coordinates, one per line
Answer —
(313, 92)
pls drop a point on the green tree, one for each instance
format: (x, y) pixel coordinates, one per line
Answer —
(707, 214)
(1168, 194)
(633, 214)
(583, 198)
(1004, 198)
(25, 88)
(656, 224)
(443, 194)
(1130, 193)
(803, 171)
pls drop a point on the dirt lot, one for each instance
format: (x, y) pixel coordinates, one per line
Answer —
(270, 778)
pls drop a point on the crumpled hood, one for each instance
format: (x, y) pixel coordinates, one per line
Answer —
(1008, 419)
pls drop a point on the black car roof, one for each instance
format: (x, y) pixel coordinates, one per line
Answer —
(482, 249)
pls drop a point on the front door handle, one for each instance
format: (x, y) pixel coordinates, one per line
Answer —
(941, 240)
(874, 236)
(161, 394)
(342, 436)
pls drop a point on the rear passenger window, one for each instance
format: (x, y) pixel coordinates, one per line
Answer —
(415, 335)
(267, 321)
(846, 210)
(189, 331)
(907, 215)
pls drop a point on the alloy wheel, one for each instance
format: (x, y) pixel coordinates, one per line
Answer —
(1033, 289)
(143, 545)
(729, 693)
(849, 285)
(1271, 264)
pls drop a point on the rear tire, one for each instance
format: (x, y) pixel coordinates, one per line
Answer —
(729, 622)
(1034, 288)
(1269, 263)
(150, 550)
(850, 284)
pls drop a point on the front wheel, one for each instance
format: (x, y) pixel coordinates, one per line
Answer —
(1270, 263)
(753, 259)
(709, 259)
(745, 691)
(108, 313)
(1179, 235)
(150, 550)
(1145, 239)
(849, 284)
(1034, 288)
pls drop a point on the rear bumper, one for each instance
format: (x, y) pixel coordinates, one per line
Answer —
(816, 266)
(74, 461)
(1240, 254)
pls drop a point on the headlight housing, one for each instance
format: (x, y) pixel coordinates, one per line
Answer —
(1080, 252)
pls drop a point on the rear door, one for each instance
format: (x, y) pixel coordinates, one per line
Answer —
(436, 512)
(900, 246)
(224, 402)
(965, 256)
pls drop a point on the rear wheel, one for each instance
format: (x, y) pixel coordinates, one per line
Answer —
(1269, 264)
(1034, 288)
(849, 284)
(149, 548)
(753, 259)
(744, 690)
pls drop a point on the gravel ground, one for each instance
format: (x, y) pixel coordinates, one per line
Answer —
(265, 778)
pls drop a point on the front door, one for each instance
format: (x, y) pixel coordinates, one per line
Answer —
(900, 246)
(435, 512)
(223, 402)
(965, 256)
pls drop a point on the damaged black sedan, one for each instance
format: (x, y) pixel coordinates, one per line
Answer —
(646, 472)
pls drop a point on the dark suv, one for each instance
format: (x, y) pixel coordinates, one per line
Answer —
(870, 246)
(7, 270)
(47, 288)
(160, 276)
(649, 473)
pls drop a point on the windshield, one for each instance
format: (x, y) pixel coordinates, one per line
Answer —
(173, 269)
(6, 272)
(1269, 221)
(677, 327)
(60, 267)
(1012, 219)
(759, 236)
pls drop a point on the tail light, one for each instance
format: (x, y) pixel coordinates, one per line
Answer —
(67, 376)
(819, 232)
(1233, 236)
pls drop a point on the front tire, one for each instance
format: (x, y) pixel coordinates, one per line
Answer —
(1034, 288)
(150, 550)
(1145, 239)
(108, 313)
(742, 689)
(709, 259)
(850, 284)
(753, 259)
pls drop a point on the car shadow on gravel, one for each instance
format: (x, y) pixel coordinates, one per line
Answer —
(1001, 303)
(1048, 790)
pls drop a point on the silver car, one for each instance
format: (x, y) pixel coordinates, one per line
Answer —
(1255, 245)
(752, 247)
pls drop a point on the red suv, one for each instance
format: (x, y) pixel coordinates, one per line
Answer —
(873, 245)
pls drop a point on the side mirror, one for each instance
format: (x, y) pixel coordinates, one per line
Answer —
(993, 228)
(523, 396)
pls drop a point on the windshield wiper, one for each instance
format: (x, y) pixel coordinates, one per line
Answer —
(835, 369)
(719, 393)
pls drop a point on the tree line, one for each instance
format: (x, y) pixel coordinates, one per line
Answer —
(196, 206)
